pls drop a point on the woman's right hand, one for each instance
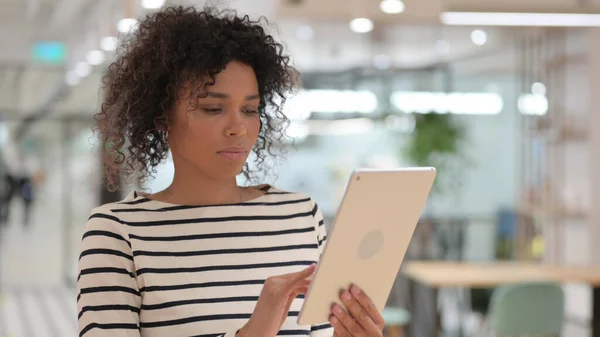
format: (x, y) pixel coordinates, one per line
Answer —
(274, 303)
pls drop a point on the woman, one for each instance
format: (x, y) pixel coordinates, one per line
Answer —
(204, 257)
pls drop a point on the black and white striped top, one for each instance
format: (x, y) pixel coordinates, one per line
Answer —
(154, 269)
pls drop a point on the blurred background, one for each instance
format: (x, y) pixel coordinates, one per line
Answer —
(498, 95)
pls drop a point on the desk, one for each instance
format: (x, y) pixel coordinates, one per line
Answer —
(438, 274)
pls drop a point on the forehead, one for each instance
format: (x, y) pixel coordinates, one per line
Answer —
(236, 76)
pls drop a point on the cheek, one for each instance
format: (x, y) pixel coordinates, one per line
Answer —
(194, 136)
(253, 127)
(202, 134)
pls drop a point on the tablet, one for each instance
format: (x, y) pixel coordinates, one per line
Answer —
(368, 238)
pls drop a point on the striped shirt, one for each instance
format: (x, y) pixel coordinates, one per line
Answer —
(149, 268)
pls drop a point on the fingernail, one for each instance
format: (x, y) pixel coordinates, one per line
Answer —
(346, 295)
(355, 289)
(337, 309)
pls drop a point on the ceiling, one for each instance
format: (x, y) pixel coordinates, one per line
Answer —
(408, 39)
(423, 11)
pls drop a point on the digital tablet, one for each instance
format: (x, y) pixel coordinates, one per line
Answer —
(368, 238)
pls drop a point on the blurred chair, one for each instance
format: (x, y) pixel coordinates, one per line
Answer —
(480, 246)
(527, 309)
(395, 320)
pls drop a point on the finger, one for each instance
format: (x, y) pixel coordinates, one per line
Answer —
(290, 301)
(301, 275)
(297, 291)
(346, 320)
(359, 314)
(300, 290)
(367, 304)
(338, 328)
(304, 284)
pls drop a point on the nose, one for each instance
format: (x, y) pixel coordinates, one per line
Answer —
(236, 126)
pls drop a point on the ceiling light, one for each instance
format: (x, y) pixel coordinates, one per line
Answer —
(520, 19)
(479, 37)
(382, 62)
(466, 103)
(442, 46)
(83, 69)
(95, 57)
(72, 78)
(361, 25)
(339, 101)
(392, 6)
(305, 32)
(538, 88)
(532, 104)
(109, 43)
(152, 4)
(127, 25)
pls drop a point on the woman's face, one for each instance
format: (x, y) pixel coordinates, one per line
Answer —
(215, 136)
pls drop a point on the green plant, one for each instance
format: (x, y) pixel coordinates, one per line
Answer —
(437, 141)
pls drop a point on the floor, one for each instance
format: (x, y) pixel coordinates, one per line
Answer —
(34, 301)
(42, 312)
(31, 256)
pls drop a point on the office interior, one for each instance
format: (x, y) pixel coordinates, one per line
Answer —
(498, 96)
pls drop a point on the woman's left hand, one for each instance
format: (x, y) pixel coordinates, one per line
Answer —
(362, 318)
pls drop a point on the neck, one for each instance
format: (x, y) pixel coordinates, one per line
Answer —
(189, 187)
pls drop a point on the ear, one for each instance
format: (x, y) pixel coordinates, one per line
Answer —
(162, 123)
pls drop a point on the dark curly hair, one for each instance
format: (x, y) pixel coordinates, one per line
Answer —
(177, 46)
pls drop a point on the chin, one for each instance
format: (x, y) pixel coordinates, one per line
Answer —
(229, 172)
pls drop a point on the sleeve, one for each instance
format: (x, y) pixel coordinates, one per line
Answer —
(325, 329)
(108, 299)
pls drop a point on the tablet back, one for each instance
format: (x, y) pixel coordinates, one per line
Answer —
(368, 238)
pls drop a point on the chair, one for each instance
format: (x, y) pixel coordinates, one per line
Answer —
(395, 320)
(527, 309)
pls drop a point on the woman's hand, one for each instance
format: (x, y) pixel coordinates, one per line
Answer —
(274, 303)
(362, 318)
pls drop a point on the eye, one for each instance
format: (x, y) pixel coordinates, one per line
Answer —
(212, 111)
(250, 111)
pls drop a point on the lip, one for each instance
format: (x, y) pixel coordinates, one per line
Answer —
(234, 153)
(236, 149)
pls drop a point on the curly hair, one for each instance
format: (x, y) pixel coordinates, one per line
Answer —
(184, 46)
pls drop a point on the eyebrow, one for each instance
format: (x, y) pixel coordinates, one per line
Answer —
(223, 96)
